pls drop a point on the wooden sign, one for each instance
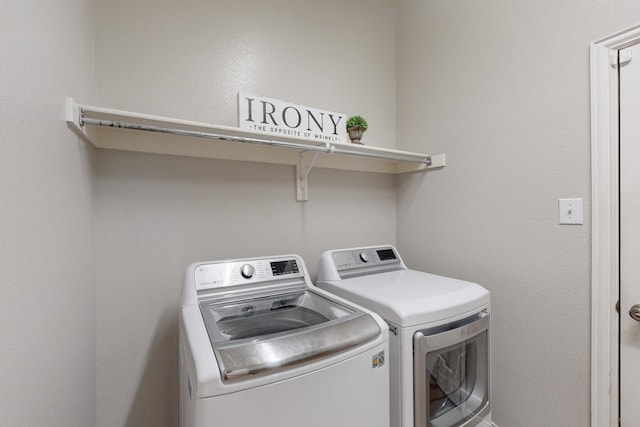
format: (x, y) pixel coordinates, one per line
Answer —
(280, 118)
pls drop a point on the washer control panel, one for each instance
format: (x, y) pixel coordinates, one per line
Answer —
(241, 272)
(357, 258)
(247, 271)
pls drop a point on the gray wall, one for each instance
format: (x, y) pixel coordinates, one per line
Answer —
(156, 214)
(47, 333)
(503, 88)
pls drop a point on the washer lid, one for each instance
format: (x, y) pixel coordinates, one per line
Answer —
(263, 335)
(410, 297)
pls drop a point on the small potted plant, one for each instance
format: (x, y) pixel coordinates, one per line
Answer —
(356, 125)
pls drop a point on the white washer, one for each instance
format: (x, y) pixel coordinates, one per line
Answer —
(439, 345)
(260, 345)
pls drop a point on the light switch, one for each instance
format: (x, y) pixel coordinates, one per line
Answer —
(570, 211)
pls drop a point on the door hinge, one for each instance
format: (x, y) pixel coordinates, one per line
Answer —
(624, 56)
(620, 57)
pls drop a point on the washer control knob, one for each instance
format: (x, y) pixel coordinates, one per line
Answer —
(247, 271)
(364, 257)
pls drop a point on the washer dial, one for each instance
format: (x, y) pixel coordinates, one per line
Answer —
(247, 271)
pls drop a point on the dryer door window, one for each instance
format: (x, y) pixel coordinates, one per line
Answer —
(452, 375)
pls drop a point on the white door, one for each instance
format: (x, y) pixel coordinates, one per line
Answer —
(629, 237)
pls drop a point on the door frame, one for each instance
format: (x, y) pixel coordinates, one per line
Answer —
(605, 236)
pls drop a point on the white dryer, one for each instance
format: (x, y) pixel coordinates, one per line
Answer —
(439, 345)
(260, 345)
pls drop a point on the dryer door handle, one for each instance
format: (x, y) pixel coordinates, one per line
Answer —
(478, 324)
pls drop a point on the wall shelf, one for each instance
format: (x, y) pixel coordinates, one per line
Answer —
(124, 130)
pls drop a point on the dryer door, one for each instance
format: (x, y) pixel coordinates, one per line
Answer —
(451, 373)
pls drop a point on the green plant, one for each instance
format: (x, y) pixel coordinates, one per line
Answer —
(356, 122)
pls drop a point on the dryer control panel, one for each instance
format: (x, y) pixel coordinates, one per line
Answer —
(369, 258)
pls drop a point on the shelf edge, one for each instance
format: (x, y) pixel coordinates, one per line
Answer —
(73, 121)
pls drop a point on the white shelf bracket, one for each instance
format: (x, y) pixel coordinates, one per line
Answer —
(74, 120)
(302, 177)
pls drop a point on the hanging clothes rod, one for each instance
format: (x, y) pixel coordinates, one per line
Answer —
(327, 148)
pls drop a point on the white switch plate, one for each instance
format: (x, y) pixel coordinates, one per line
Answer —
(570, 211)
